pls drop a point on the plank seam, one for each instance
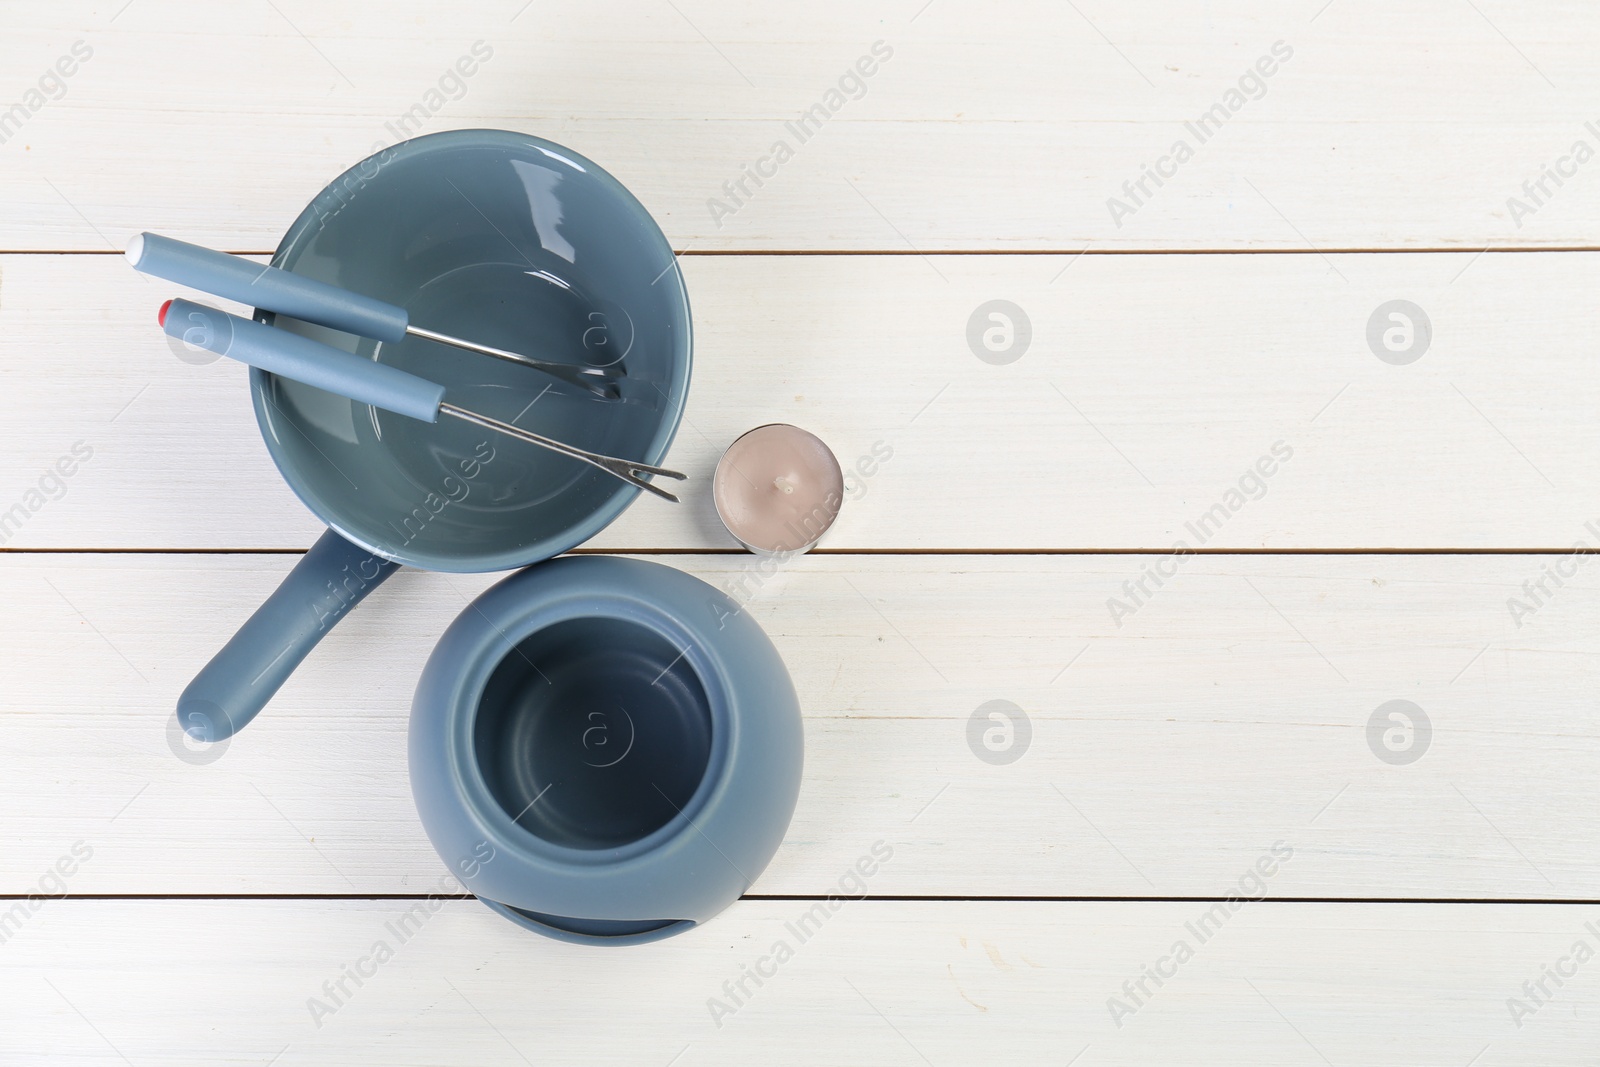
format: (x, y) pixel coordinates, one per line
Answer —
(1219, 552)
(883, 898)
(906, 252)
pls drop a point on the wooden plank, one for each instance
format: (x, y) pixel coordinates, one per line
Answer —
(879, 982)
(1229, 712)
(1151, 388)
(987, 129)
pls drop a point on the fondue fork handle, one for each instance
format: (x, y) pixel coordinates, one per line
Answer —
(266, 287)
(302, 359)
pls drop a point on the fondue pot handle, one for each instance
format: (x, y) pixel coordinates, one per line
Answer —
(330, 579)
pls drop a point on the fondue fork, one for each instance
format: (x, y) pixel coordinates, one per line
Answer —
(363, 380)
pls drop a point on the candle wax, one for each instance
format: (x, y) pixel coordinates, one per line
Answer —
(778, 488)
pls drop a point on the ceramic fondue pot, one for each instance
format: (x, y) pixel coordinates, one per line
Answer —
(516, 243)
(605, 750)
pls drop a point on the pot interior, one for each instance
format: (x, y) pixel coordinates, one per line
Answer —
(593, 732)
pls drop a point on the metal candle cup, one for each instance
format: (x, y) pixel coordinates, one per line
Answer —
(778, 489)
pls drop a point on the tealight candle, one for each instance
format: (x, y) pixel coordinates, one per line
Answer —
(778, 489)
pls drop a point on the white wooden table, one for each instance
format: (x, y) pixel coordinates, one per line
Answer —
(1415, 905)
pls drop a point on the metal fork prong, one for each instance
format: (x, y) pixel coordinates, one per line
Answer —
(656, 489)
(641, 468)
(627, 470)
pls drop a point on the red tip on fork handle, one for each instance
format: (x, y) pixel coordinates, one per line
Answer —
(161, 316)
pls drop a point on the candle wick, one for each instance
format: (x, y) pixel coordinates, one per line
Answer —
(783, 484)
